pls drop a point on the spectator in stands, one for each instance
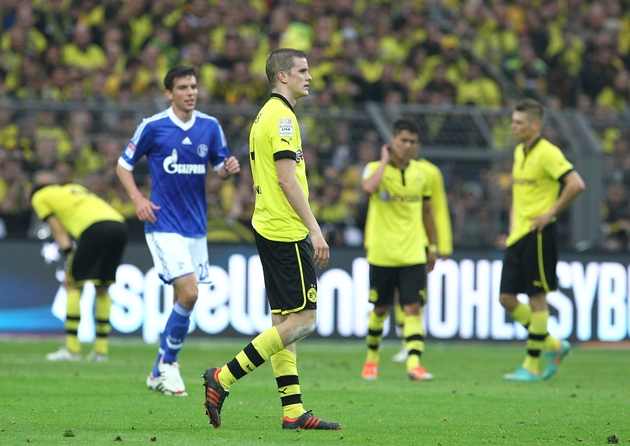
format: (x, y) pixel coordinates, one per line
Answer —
(528, 72)
(617, 95)
(14, 183)
(9, 128)
(616, 214)
(454, 64)
(34, 41)
(240, 87)
(82, 52)
(55, 22)
(137, 25)
(600, 68)
(478, 89)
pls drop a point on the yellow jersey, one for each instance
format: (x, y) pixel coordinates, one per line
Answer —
(441, 213)
(275, 135)
(394, 230)
(75, 207)
(536, 179)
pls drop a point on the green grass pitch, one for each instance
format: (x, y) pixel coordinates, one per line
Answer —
(83, 403)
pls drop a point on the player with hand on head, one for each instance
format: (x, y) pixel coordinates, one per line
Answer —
(178, 143)
(399, 216)
(529, 265)
(72, 211)
(290, 244)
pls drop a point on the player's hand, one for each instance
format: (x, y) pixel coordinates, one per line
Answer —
(232, 166)
(431, 257)
(386, 153)
(322, 251)
(539, 223)
(145, 208)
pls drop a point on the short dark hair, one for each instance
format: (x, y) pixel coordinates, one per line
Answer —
(281, 59)
(405, 124)
(534, 110)
(175, 73)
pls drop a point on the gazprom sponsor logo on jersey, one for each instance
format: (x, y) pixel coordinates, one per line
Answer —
(171, 166)
(130, 150)
(202, 150)
(285, 127)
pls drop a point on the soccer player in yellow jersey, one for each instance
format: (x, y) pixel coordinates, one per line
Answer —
(529, 265)
(290, 244)
(72, 211)
(399, 213)
(443, 231)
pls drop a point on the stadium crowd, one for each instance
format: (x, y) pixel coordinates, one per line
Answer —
(111, 55)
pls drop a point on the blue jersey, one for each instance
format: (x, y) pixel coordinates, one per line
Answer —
(178, 153)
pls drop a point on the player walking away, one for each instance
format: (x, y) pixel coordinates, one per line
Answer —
(399, 214)
(444, 248)
(290, 244)
(72, 211)
(529, 265)
(178, 143)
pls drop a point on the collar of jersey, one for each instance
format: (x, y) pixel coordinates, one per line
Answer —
(178, 122)
(527, 152)
(283, 99)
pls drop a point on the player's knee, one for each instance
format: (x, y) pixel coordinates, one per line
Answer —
(507, 300)
(381, 311)
(303, 331)
(187, 298)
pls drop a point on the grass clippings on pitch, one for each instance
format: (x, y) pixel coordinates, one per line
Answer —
(83, 403)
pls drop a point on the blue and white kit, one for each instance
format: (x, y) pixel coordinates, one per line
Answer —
(178, 154)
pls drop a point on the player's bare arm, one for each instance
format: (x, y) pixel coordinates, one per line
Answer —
(59, 233)
(573, 186)
(144, 207)
(372, 183)
(293, 192)
(429, 226)
(230, 167)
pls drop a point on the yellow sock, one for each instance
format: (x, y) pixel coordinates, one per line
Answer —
(265, 345)
(284, 364)
(522, 314)
(375, 335)
(552, 344)
(414, 340)
(103, 327)
(73, 317)
(536, 340)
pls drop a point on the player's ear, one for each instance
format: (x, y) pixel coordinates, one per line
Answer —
(169, 95)
(282, 77)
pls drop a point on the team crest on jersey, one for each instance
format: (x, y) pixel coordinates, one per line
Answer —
(130, 150)
(285, 127)
(202, 150)
(311, 295)
(384, 196)
(299, 156)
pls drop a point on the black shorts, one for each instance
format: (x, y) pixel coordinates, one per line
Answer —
(410, 280)
(289, 272)
(529, 265)
(99, 252)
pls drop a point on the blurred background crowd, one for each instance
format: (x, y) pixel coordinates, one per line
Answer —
(99, 65)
